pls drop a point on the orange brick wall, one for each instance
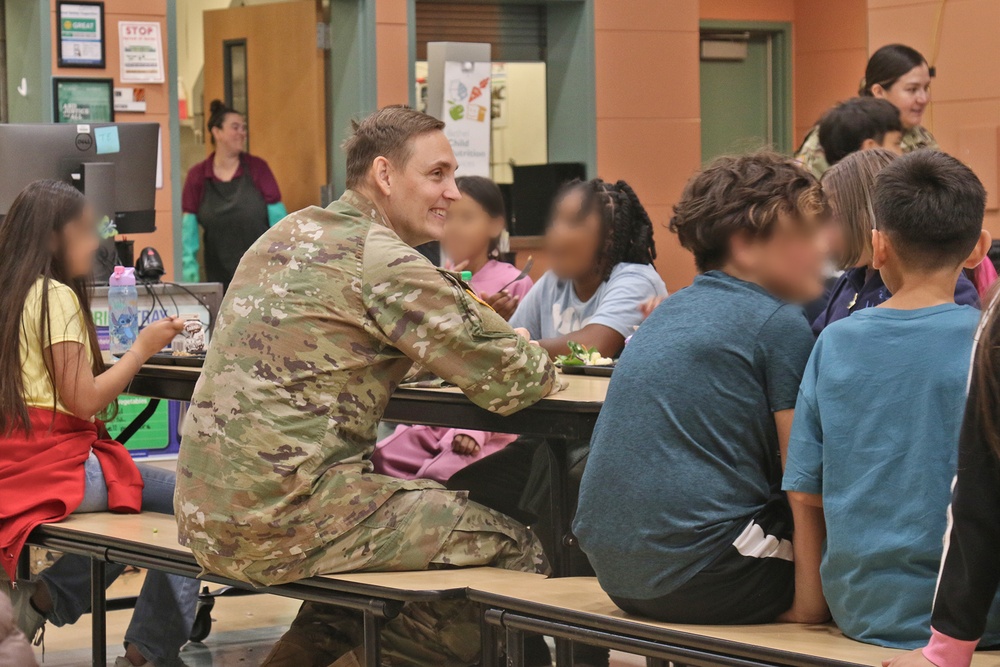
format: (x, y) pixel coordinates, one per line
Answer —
(965, 111)
(157, 107)
(648, 117)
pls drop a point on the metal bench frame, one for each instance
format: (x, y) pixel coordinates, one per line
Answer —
(376, 604)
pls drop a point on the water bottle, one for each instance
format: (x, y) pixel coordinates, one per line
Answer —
(123, 310)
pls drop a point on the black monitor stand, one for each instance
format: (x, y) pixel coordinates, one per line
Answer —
(97, 182)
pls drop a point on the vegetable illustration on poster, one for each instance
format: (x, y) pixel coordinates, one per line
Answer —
(467, 107)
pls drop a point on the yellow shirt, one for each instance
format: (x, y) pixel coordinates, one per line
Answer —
(66, 324)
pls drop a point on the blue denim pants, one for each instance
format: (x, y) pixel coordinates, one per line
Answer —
(165, 610)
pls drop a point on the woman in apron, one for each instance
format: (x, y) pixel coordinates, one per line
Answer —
(232, 195)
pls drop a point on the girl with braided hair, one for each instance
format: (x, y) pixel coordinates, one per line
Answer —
(601, 251)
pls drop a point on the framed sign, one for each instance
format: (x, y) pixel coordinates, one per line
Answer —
(83, 100)
(140, 52)
(80, 34)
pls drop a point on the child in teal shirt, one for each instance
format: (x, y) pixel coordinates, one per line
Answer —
(874, 443)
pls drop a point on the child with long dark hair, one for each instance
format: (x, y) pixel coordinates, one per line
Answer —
(56, 458)
(970, 575)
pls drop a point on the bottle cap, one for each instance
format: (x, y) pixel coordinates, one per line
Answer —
(124, 276)
(466, 276)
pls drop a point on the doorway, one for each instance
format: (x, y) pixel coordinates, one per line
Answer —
(745, 87)
(265, 61)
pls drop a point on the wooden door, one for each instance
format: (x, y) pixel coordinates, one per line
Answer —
(284, 89)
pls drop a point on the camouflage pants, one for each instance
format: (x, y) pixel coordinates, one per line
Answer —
(439, 633)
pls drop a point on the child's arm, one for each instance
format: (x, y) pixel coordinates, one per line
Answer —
(607, 341)
(86, 395)
(809, 605)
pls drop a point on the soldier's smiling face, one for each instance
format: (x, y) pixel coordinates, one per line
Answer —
(421, 191)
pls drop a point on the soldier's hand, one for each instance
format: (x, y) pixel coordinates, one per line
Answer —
(503, 303)
(464, 445)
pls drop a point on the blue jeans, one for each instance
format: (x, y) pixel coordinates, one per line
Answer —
(164, 612)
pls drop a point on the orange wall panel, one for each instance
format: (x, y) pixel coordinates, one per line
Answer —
(648, 110)
(748, 10)
(157, 107)
(392, 52)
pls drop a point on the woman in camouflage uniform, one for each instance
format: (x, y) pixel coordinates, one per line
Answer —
(896, 73)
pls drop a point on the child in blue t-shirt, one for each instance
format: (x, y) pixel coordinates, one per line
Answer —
(681, 512)
(874, 444)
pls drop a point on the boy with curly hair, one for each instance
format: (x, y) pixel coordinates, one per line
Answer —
(681, 511)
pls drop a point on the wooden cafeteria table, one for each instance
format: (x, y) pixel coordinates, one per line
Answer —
(563, 418)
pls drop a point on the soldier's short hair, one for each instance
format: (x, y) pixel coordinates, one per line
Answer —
(745, 193)
(387, 133)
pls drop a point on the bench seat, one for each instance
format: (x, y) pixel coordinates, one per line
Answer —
(568, 605)
(156, 535)
(149, 540)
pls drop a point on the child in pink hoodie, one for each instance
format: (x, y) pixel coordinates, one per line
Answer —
(471, 241)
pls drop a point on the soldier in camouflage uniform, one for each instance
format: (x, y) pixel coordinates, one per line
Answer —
(810, 154)
(325, 316)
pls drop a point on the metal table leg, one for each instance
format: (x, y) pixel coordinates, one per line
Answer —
(98, 614)
(562, 517)
(487, 641)
(515, 648)
(373, 639)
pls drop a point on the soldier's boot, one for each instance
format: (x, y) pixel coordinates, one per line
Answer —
(320, 635)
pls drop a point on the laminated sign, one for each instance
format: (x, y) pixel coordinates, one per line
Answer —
(141, 51)
(467, 111)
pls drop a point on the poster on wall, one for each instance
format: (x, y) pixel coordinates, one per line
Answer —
(467, 110)
(130, 100)
(81, 34)
(140, 52)
(83, 100)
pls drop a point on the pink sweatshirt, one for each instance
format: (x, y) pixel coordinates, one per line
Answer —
(495, 274)
(424, 452)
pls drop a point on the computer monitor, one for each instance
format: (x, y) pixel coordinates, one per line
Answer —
(534, 190)
(120, 181)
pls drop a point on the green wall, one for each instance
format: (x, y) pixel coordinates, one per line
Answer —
(352, 76)
(29, 56)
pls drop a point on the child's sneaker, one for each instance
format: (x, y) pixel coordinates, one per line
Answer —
(28, 619)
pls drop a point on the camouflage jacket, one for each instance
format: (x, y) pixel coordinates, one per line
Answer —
(325, 315)
(810, 154)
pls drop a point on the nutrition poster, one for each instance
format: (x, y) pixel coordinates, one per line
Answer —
(141, 52)
(467, 111)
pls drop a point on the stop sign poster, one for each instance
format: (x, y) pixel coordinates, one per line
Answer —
(141, 52)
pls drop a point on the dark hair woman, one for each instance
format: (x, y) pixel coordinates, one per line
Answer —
(896, 73)
(232, 195)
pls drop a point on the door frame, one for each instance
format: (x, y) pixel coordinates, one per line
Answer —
(781, 72)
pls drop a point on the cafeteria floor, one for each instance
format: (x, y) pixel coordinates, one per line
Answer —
(243, 630)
